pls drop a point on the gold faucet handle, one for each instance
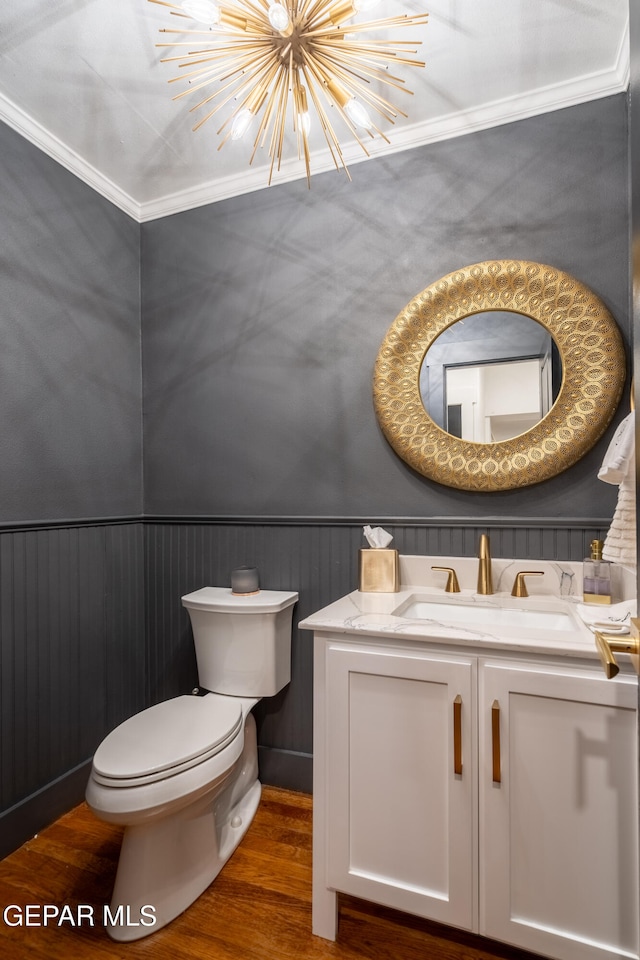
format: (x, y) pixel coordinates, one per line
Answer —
(452, 580)
(608, 645)
(519, 586)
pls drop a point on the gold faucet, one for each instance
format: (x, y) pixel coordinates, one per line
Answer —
(519, 586)
(485, 583)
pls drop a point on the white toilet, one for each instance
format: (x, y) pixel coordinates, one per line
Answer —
(182, 776)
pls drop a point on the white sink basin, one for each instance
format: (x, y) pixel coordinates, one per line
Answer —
(481, 614)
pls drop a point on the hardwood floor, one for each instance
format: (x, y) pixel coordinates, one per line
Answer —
(258, 908)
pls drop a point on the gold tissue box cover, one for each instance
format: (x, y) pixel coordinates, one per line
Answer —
(378, 571)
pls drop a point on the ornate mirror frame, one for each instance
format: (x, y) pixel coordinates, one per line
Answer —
(593, 375)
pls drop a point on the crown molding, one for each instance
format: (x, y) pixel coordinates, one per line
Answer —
(53, 147)
(499, 112)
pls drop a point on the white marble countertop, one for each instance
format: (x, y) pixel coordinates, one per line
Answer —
(559, 590)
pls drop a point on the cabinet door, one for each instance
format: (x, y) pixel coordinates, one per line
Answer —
(400, 817)
(559, 813)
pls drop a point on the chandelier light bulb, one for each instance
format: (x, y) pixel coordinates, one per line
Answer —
(305, 122)
(203, 11)
(241, 123)
(357, 113)
(279, 18)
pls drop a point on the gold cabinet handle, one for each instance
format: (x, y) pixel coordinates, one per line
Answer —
(608, 644)
(457, 735)
(519, 586)
(495, 740)
(452, 580)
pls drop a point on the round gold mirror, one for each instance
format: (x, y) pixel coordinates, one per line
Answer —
(579, 369)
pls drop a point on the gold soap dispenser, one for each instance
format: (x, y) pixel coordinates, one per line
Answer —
(596, 576)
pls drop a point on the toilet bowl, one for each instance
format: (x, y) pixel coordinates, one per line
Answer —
(182, 776)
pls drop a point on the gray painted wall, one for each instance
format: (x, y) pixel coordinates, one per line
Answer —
(262, 316)
(70, 437)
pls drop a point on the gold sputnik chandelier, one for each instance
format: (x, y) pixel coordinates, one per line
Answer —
(267, 61)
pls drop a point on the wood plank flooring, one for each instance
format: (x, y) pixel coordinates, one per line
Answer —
(258, 908)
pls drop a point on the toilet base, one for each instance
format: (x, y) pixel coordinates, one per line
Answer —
(167, 861)
(164, 866)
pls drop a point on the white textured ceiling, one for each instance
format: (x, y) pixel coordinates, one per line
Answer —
(82, 80)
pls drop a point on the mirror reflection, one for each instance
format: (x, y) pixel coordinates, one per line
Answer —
(491, 376)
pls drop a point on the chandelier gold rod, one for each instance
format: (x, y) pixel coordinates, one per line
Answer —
(240, 60)
(277, 138)
(236, 88)
(376, 73)
(337, 14)
(405, 20)
(387, 42)
(259, 82)
(368, 44)
(310, 75)
(231, 85)
(329, 134)
(211, 36)
(262, 131)
(229, 80)
(346, 74)
(366, 71)
(379, 103)
(324, 79)
(218, 63)
(341, 37)
(354, 62)
(277, 98)
(240, 67)
(265, 123)
(377, 53)
(220, 60)
(199, 86)
(218, 53)
(356, 58)
(200, 70)
(206, 56)
(369, 54)
(310, 8)
(193, 31)
(261, 7)
(261, 87)
(300, 103)
(238, 40)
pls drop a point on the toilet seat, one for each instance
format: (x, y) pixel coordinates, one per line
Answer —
(166, 739)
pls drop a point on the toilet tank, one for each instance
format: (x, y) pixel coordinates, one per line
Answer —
(243, 643)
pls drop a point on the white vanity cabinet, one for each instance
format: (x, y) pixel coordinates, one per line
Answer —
(497, 794)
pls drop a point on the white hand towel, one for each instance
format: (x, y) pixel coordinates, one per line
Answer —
(614, 616)
(620, 453)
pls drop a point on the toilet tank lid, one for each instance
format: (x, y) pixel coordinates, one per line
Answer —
(223, 600)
